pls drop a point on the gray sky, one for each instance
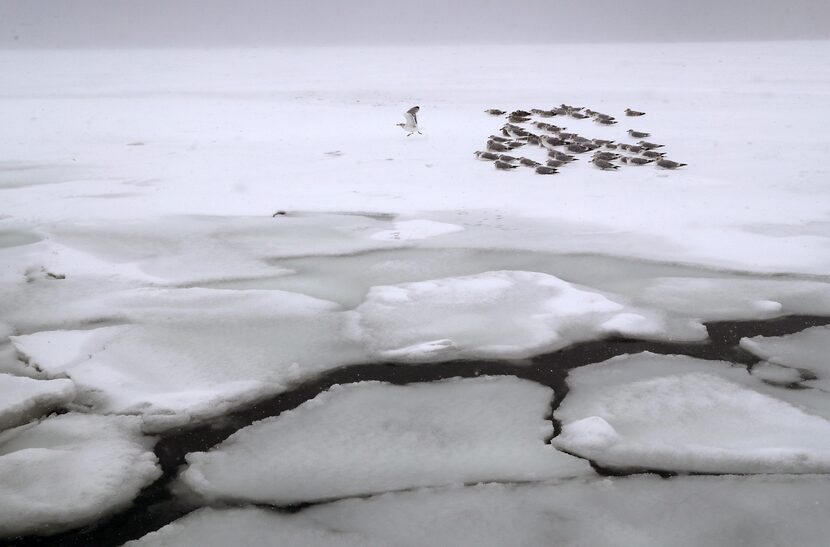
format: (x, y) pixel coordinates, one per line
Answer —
(221, 23)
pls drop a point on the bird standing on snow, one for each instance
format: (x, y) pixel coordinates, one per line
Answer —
(668, 164)
(411, 125)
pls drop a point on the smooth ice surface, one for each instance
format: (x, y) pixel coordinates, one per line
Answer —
(373, 437)
(640, 511)
(808, 349)
(416, 229)
(504, 314)
(681, 414)
(196, 353)
(24, 399)
(68, 470)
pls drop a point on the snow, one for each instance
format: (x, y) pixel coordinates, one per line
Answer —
(417, 229)
(675, 413)
(752, 196)
(808, 349)
(644, 511)
(69, 470)
(23, 399)
(196, 353)
(142, 258)
(371, 437)
(776, 374)
(220, 527)
(503, 314)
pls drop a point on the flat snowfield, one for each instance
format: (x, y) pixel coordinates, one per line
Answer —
(196, 246)
(136, 134)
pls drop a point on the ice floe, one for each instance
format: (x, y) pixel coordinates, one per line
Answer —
(193, 353)
(674, 413)
(373, 437)
(501, 314)
(808, 349)
(23, 399)
(69, 470)
(645, 511)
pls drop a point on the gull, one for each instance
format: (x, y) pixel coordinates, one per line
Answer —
(504, 165)
(411, 125)
(669, 164)
(605, 165)
(486, 155)
(636, 161)
(650, 145)
(606, 155)
(629, 112)
(639, 134)
(561, 156)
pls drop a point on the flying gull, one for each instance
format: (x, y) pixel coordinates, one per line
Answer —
(411, 125)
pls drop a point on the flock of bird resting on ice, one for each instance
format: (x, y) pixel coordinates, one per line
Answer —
(562, 146)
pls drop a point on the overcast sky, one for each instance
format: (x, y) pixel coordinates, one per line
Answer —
(221, 23)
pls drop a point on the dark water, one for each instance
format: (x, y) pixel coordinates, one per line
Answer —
(156, 506)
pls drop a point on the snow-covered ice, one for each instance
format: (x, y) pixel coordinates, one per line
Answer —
(372, 437)
(24, 399)
(808, 349)
(72, 469)
(674, 413)
(752, 197)
(504, 314)
(416, 229)
(196, 352)
(644, 511)
(173, 250)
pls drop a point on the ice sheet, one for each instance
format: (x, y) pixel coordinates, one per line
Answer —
(752, 196)
(674, 413)
(373, 437)
(769, 510)
(69, 470)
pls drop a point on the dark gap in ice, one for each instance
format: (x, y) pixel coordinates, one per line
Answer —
(156, 506)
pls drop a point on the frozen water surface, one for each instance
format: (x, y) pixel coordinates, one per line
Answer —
(504, 314)
(70, 470)
(642, 511)
(373, 437)
(195, 353)
(674, 413)
(172, 251)
(809, 350)
(23, 399)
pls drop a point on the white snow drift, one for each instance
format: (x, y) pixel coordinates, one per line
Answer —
(373, 437)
